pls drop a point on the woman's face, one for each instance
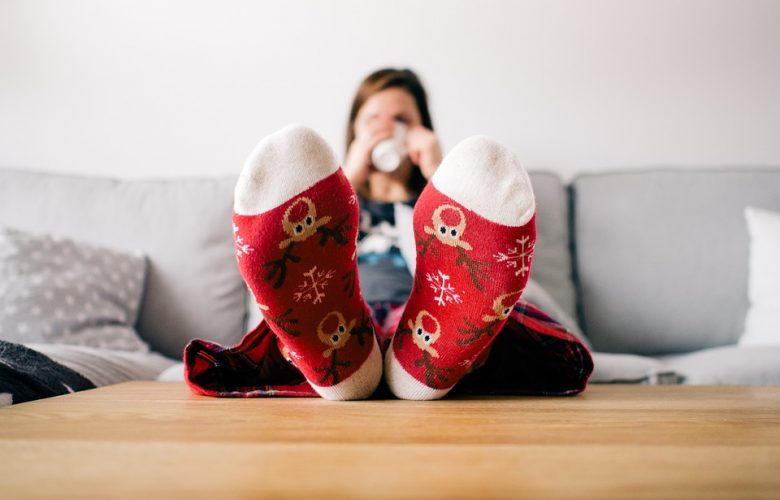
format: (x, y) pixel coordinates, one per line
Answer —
(385, 107)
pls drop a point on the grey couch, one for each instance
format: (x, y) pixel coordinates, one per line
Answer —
(650, 267)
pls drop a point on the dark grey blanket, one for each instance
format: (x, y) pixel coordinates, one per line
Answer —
(28, 375)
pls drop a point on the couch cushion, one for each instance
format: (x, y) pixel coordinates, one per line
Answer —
(609, 368)
(106, 366)
(552, 267)
(661, 256)
(728, 365)
(193, 288)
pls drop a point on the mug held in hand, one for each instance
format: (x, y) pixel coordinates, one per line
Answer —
(388, 154)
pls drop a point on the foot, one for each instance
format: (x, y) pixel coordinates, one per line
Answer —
(475, 231)
(295, 224)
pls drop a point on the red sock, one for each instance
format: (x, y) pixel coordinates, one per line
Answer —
(295, 224)
(475, 231)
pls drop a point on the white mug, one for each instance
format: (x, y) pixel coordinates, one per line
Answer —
(388, 154)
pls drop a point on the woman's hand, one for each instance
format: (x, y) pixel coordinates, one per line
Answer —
(424, 149)
(357, 164)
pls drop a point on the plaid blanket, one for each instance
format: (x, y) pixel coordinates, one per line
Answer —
(26, 375)
(531, 355)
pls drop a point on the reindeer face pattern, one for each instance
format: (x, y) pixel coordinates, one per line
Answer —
(502, 306)
(300, 221)
(334, 331)
(426, 330)
(449, 223)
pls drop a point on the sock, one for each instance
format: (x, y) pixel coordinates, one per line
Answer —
(475, 229)
(295, 225)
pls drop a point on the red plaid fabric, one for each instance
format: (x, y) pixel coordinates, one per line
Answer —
(532, 355)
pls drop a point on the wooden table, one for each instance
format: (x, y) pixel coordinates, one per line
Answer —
(156, 439)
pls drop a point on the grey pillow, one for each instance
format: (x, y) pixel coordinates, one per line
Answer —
(55, 290)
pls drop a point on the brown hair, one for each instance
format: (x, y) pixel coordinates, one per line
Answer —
(384, 79)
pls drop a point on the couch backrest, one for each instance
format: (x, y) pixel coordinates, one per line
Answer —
(661, 256)
(552, 265)
(193, 288)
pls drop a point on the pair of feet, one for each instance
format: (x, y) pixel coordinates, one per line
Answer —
(295, 226)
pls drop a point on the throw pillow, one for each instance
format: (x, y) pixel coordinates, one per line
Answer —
(55, 290)
(762, 324)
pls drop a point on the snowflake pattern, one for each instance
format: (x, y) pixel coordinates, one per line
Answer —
(242, 248)
(518, 258)
(440, 283)
(313, 286)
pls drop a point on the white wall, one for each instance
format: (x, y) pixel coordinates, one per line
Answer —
(180, 87)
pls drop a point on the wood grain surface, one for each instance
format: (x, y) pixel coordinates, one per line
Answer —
(156, 439)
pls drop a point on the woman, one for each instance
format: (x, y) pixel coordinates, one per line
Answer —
(386, 100)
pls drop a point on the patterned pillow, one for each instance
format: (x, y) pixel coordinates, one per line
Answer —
(58, 291)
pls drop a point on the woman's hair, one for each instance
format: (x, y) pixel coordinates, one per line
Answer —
(388, 78)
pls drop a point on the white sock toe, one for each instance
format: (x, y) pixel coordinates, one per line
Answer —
(359, 385)
(486, 177)
(404, 386)
(282, 165)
